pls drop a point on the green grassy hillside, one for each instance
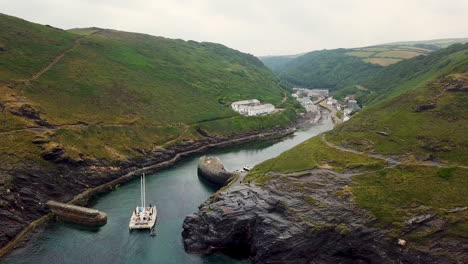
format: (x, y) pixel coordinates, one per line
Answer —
(404, 75)
(340, 70)
(277, 63)
(331, 69)
(420, 121)
(104, 93)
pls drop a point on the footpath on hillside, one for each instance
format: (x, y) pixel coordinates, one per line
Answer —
(390, 160)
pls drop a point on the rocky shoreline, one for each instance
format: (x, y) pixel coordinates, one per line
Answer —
(305, 218)
(23, 205)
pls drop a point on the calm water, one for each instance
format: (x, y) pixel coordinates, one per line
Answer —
(176, 191)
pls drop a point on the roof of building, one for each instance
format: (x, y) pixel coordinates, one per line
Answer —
(262, 106)
(251, 101)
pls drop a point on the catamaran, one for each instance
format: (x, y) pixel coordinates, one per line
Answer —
(143, 217)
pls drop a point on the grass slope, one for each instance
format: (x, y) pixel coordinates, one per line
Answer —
(132, 90)
(340, 70)
(331, 69)
(424, 121)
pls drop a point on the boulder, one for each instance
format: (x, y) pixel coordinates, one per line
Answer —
(212, 169)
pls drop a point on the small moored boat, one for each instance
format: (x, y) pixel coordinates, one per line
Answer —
(143, 217)
(246, 168)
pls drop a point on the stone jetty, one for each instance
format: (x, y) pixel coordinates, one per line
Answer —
(78, 214)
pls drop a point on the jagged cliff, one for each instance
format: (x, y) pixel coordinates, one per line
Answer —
(294, 219)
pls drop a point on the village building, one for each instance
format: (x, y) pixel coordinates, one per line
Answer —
(252, 107)
(261, 109)
(331, 101)
(303, 92)
(353, 104)
(241, 106)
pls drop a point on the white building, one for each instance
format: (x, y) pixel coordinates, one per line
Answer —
(240, 106)
(331, 101)
(260, 109)
(252, 107)
(353, 105)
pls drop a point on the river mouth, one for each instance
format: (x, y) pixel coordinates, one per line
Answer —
(177, 192)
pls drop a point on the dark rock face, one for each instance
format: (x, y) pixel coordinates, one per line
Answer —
(29, 112)
(55, 154)
(382, 133)
(305, 219)
(211, 169)
(425, 107)
(456, 86)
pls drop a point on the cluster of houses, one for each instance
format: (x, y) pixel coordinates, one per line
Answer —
(306, 96)
(317, 93)
(252, 107)
(349, 106)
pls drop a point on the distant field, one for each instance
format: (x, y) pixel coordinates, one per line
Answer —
(415, 48)
(398, 54)
(387, 55)
(364, 54)
(382, 61)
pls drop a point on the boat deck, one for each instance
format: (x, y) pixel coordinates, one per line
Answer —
(143, 218)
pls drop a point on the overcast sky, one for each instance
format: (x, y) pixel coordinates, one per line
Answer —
(260, 27)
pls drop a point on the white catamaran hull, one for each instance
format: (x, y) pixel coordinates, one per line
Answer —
(143, 218)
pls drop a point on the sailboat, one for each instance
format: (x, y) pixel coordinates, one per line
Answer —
(143, 217)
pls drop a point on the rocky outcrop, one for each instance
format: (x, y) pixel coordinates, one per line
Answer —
(425, 107)
(78, 214)
(294, 218)
(212, 169)
(29, 112)
(456, 84)
(23, 198)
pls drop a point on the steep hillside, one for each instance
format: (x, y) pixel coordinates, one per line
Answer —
(139, 83)
(402, 76)
(79, 108)
(419, 128)
(277, 63)
(403, 160)
(331, 69)
(341, 70)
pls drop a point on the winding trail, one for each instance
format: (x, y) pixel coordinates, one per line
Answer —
(54, 61)
(34, 129)
(372, 155)
(392, 162)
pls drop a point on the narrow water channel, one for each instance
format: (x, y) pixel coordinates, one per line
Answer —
(176, 191)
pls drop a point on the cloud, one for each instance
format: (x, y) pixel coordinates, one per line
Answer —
(259, 27)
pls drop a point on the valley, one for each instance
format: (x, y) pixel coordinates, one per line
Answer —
(359, 155)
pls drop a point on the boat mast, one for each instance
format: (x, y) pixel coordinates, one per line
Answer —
(141, 190)
(144, 191)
